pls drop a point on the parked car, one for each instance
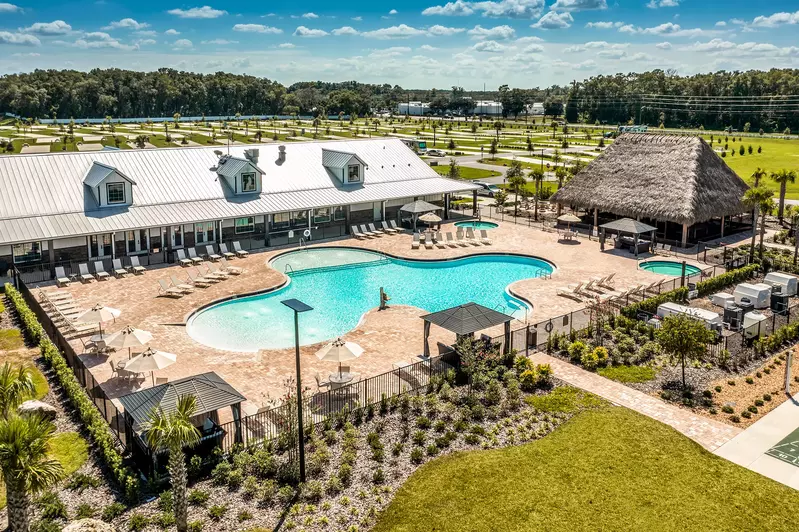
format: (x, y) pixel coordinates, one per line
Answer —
(486, 189)
(436, 153)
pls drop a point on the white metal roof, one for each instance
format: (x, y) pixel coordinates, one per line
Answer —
(231, 166)
(99, 171)
(44, 195)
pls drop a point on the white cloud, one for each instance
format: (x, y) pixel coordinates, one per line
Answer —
(554, 21)
(720, 24)
(394, 51)
(402, 31)
(145, 42)
(528, 39)
(452, 9)
(497, 32)
(489, 47)
(9, 8)
(219, 42)
(57, 27)
(20, 39)
(182, 44)
(604, 25)
(198, 12)
(443, 31)
(99, 39)
(585, 65)
(256, 28)
(215, 64)
(286, 45)
(669, 28)
(777, 19)
(533, 49)
(302, 31)
(427, 48)
(127, 24)
(241, 62)
(393, 12)
(171, 31)
(654, 4)
(664, 45)
(596, 45)
(146, 33)
(345, 30)
(27, 54)
(310, 15)
(722, 47)
(357, 19)
(578, 5)
(501, 8)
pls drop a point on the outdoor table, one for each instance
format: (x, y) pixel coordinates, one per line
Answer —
(341, 378)
(98, 340)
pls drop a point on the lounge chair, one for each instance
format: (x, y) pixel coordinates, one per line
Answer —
(354, 231)
(84, 274)
(451, 241)
(135, 267)
(375, 230)
(197, 280)
(182, 259)
(387, 229)
(214, 273)
(195, 258)
(416, 241)
(608, 282)
(240, 253)
(225, 253)
(209, 252)
(484, 237)
(440, 242)
(61, 278)
(119, 271)
(428, 241)
(393, 225)
(587, 286)
(367, 232)
(470, 238)
(166, 290)
(181, 285)
(99, 271)
(227, 268)
(572, 291)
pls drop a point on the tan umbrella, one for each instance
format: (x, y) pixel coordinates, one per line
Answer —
(98, 314)
(430, 218)
(129, 337)
(339, 351)
(150, 360)
(568, 218)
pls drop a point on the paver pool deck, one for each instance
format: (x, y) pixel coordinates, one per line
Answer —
(388, 336)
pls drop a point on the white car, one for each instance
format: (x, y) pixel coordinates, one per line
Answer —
(436, 153)
(487, 189)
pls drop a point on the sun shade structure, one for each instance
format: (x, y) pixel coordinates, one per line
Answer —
(628, 225)
(339, 351)
(98, 314)
(129, 337)
(430, 218)
(568, 218)
(150, 360)
(465, 320)
(417, 208)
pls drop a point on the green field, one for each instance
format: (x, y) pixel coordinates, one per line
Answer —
(467, 172)
(606, 469)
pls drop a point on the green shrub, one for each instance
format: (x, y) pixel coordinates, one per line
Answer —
(759, 402)
(432, 450)
(419, 437)
(379, 476)
(766, 397)
(746, 414)
(165, 501)
(417, 455)
(493, 393)
(753, 409)
(164, 520)
(724, 280)
(423, 422)
(52, 506)
(112, 511)
(197, 497)
(649, 350)
(217, 511)
(750, 380)
(220, 473)
(718, 389)
(81, 481)
(577, 350)
(727, 409)
(735, 419)
(196, 526)
(651, 304)
(588, 359)
(84, 511)
(345, 474)
(138, 522)
(244, 515)
(313, 491)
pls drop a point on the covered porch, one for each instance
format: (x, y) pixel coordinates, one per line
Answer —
(464, 321)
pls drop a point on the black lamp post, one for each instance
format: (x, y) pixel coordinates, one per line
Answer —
(298, 306)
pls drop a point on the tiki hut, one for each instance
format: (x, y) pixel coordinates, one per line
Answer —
(676, 183)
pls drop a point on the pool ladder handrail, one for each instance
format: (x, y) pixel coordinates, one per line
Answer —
(543, 272)
(287, 268)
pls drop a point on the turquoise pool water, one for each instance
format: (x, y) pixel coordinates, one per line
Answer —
(342, 284)
(477, 225)
(668, 267)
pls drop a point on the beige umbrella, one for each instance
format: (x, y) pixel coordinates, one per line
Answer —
(430, 218)
(98, 314)
(150, 360)
(339, 351)
(128, 337)
(568, 218)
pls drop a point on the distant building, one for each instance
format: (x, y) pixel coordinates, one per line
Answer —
(487, 108)
(536, 109)
(413, 108)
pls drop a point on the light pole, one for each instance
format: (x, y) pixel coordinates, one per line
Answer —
(298, 306)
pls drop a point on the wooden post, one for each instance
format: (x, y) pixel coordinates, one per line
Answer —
(722, 226)
(474, 203)
(684, 235)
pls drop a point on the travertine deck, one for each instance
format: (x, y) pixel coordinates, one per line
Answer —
(389, 336)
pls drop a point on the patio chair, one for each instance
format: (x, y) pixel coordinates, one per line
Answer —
(225, 253)
(114, 369)
(393, 225)
(135, 267)
(227, 268)
(213, 272)
(440, 241)
(367, 232)
(84, 274)
(182, 259)
(99, 271)
(240, 253)
(209, 252)
(195, 258)
(181, 285)
(119, 270)
(451, 241)
(320, 383)
(166, 290)
(428, 242)
(387, 229)
(198, 280)
(589, 285)
(354, 231)
(484, 237)
(460, 238)
(375, 230)
(608, 282)
(61, 278)
(572, 291)
(470, 238)
(416, 242)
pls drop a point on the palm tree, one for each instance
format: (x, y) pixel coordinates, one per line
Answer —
(783, 177)
(792, 211)
(561, 173)
(757, 175)
(537, 176)
(175, 431)
(16, 385)
(434, 126)
(556, 158)
(25, 465)
(515, 178)
(761, 199)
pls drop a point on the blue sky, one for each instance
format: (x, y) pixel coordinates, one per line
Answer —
(421, 44)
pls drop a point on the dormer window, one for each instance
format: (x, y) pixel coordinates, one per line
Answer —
(354, 173)
(248, 183)
(116, 193)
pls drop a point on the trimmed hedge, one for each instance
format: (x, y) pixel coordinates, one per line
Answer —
(724, 280)
(773, 342)
(91, 417)
(651, 304)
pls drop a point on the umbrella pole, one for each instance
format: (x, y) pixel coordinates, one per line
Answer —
(339, 369)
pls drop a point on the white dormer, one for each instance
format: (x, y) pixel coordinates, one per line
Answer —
(347, 167)
(109, 186)
(242, 175)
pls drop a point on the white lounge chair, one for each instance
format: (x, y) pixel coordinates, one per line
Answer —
(135, 267)
(428, 240)
(394, 226)
(416, 242)
(84, 274)
(367, 232)
(181, 285)
(470, 238)
(356, 232)
(387, 229)
(183, 260)
(225, 253)
(376, 230)
(240, 253)
(99, 271)
(451, 241)
(195, 258)
(119, 271)
(440, 241)
(209, 252)
(484, 237)
(166, 290)
(460, 239)
(214, 273)
(61, 278)
(608, 282)
(587, 287)
(571, 291)
(198, 280)
(227, 268)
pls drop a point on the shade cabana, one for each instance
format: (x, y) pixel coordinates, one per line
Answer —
(630, 227)
(465, 320)
(418, 208)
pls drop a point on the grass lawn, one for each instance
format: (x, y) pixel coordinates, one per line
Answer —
(467, 172)
(606, 469)
(627, 373)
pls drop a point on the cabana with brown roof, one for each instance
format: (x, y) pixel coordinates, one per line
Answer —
(465, 320)
(662, 179)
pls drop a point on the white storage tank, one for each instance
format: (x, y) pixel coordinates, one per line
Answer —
(787, 283)
(752, 324)
(758, 294)
(711, 319)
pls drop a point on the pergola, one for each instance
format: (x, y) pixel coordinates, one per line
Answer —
(629, 226)
(417, 208)
(465, 320)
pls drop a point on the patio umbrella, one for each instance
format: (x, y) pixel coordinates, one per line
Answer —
(569, 219)
(430, 218)
(98, 314)
(150, 360)
(339, 351)
(129, 337)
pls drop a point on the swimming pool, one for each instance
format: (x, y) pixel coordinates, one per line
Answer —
(668, 267)
(341, 284)
(475, 224)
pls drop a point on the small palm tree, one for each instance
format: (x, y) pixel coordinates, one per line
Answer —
(783, 177)
(556, 157)
(175, 432)
(25, 465)
(757, 175)
(515, 178)
(761, 199)
(537, 175)
(16, 385)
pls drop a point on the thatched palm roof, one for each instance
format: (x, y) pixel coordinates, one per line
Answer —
(664, 177)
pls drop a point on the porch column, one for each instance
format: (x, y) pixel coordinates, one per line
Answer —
(426, 346)
(383, 210)
(219, 232)
(347, 219)
(114, 246)
(722, 226)
(506, 349)
(51, 254)
(596, 219)
(684, 235)
(474, 203)
(446, 206)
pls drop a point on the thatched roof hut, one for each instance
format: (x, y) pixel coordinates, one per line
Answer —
(668, 178)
